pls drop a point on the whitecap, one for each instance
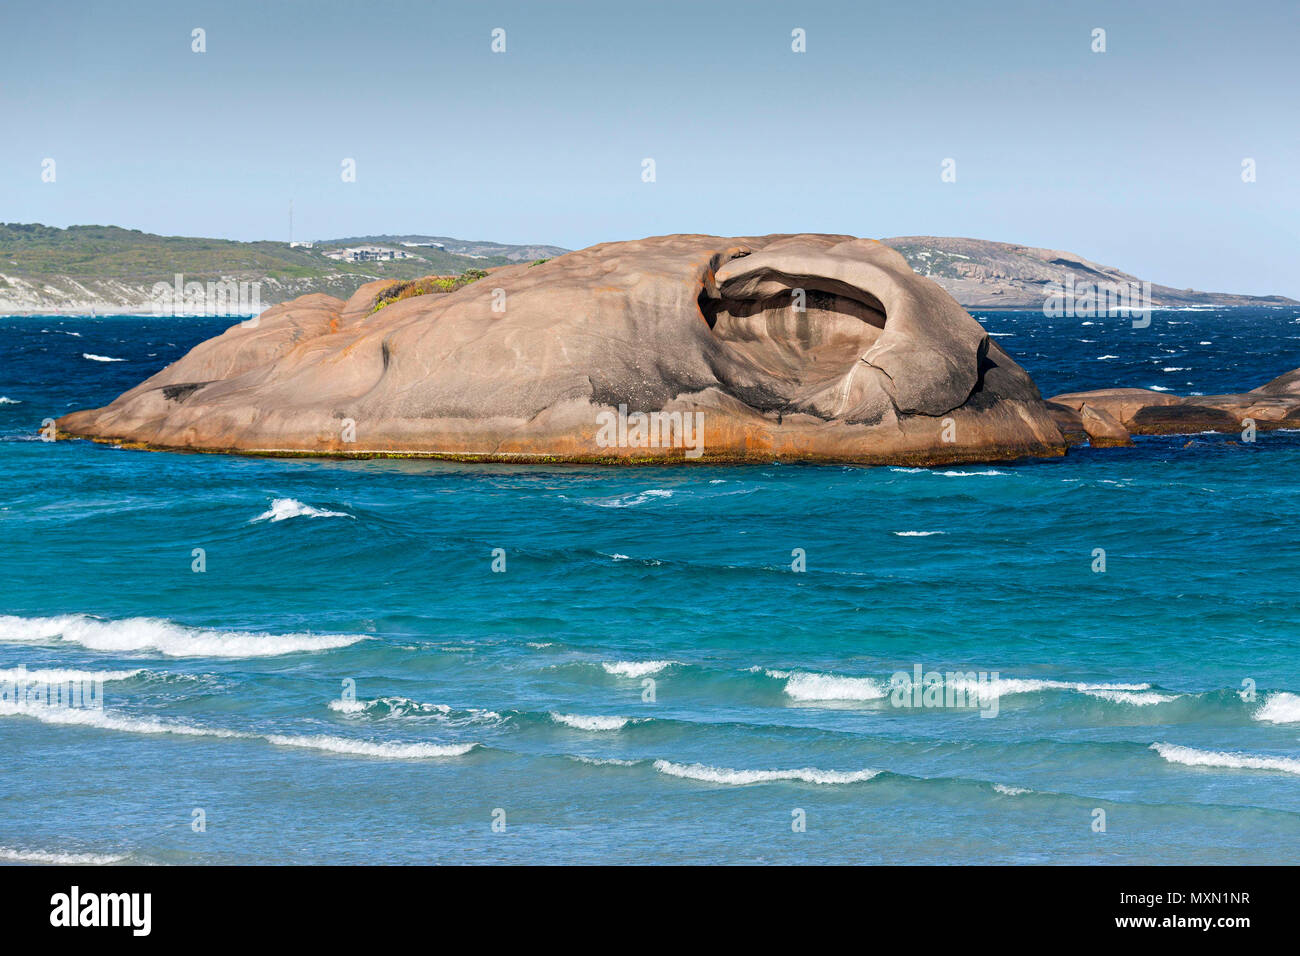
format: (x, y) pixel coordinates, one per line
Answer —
(6, 400)
(740, 778)
(91, 356)
(635, 668)
(632, 500)
(58, 859)
(161, 636)
(56, 675)
(1103, 358)
(1136, 698)
(602, 761)
(109, 720)
(348, 706)
(1191, 757)
(369, 748)
(916, 534)
(583, 722)
(284, 508)
(1280, 707)
(1011, 791)
(1010, 686)
(804, 686)
(385, 708)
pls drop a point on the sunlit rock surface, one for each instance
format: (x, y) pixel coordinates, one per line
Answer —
(796, 348)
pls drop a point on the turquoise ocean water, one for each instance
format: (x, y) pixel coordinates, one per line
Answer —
(350, 681)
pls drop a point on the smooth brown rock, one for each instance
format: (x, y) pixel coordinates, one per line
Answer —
(1086, 423)
(1069, 422)
(1275, 404)
(534, 361)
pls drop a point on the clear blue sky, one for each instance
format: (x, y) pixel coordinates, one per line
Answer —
(1131, 157)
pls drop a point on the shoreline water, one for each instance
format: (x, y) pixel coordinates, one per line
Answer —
(768, 606)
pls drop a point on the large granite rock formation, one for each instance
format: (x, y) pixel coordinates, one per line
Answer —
(799, 348)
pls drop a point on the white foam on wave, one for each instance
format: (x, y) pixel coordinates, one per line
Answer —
(632, 500)
(58, 859)
(1280, 707)
(91, 356)
(805, 686)
(1103, 358)
(635, 668)
(949, 474)
(6, 400)
(741, 778)
(108, 720)
(147, 634)
(370, 748)
(284, 508)
(1140, 698)
(584, 722)
(1010, 686)
(390, 707)
(1010, 791)
(602, 761)
(916, 534)
(1191, 757)
(59, 675)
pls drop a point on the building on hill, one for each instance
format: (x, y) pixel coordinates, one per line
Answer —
(369, 254)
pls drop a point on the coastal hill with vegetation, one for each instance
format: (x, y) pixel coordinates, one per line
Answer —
(44, 269)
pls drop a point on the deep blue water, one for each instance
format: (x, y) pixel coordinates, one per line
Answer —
(475, 690)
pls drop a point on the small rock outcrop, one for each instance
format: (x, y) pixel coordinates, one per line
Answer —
(795, 348)
(1140, 411)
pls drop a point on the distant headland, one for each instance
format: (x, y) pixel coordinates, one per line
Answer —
(46, 270)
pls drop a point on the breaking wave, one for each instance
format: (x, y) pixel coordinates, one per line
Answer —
(1191, 757)
(582, 722)
(812, 687)
(59, 859)
(284, 508)
(370, 748)
(163, 637)
(741, 778)
(107, 720)
(635, 668)
(1280, 708)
